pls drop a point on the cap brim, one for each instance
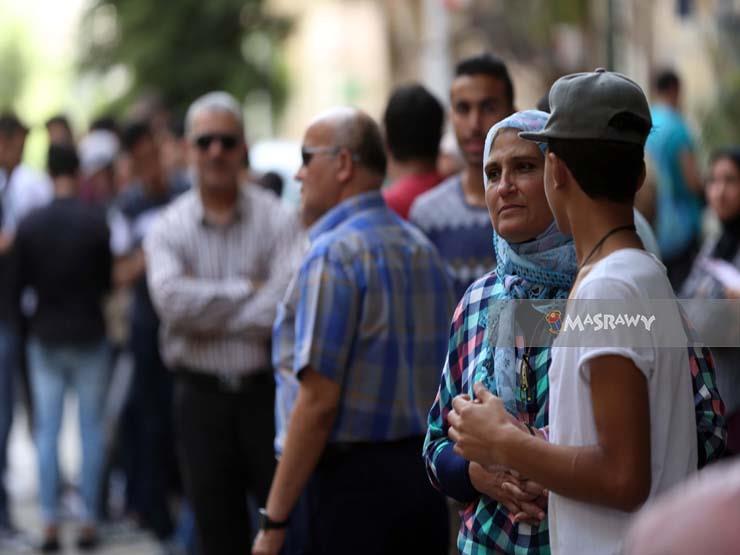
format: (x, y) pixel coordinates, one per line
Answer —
(539, 137)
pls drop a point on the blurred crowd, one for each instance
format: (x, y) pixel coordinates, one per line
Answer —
(209, 329)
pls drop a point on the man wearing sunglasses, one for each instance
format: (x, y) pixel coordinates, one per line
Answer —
(219, 261)
(370, 334)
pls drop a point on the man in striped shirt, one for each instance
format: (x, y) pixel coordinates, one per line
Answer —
(370, 329)
(218, 262)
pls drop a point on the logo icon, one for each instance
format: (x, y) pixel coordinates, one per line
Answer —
(553, 319)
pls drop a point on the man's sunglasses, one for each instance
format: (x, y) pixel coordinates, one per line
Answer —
(228, 142)
(307, 153)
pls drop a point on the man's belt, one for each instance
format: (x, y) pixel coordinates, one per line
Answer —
(223, 382)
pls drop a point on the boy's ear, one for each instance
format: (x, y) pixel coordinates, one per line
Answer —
(560, 172)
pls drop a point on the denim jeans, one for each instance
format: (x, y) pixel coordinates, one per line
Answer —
(84, 369)
(8, 369)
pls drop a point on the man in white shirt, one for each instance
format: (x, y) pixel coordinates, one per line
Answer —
(21, 190)
(622, 426)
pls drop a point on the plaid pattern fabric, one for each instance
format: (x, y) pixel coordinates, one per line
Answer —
(372, 315)
(487, 527)
(711, 427)
(286, 384)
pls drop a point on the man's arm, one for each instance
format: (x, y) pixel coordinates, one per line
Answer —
(129, 268)
(189, 304)
(690, 172)
(257, 315)
(615, 472)
(308, 432)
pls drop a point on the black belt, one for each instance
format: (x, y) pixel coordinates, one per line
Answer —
(337, 449)
(225, 383)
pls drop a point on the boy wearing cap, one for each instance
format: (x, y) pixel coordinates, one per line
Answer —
(621, 421)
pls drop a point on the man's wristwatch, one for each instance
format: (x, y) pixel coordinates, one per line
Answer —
(266, 523)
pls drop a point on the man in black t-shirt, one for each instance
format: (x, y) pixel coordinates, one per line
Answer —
(63, 254)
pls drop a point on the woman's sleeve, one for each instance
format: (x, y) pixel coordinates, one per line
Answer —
(448, 471)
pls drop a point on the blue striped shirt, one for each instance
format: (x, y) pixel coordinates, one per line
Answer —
(373, 315)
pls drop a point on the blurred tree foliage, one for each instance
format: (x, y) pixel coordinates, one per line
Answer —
(179, 50)
(721, 121)
(12, 64)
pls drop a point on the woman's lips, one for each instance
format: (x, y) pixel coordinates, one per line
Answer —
(508, 207)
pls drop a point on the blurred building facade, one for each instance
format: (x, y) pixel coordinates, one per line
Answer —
(355, 51)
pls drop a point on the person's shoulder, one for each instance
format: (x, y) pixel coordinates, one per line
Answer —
(626, 273)
(35, 219)
(130, 199)
(29, 176)
(177, 213)
(479, 293)
(429, 201)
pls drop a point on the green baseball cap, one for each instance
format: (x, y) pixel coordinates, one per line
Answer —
(598, 105)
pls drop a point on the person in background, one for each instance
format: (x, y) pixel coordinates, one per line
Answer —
(152, 456)
(218, 262)
(174, 148)
(21, 190)
(670, 146)
(59, 130)
(413, 122)
(723, 196)
(98, 152)
(370, 332)
(449, 161)
(453, 215)
(63, 254)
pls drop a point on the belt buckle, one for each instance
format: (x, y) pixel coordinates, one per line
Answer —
(230, 382)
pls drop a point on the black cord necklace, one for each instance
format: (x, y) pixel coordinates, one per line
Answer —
(601, 242)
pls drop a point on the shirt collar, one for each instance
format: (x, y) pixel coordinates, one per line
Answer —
(242, 204)
(344, 210)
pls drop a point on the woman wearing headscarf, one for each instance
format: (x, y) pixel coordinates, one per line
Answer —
(723, 196)
(505, 513)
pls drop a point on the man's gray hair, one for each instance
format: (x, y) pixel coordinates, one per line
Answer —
(216, 101)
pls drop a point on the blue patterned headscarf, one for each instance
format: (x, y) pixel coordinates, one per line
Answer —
(543, 268)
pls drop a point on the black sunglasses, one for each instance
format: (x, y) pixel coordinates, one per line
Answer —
(307, 153)
(228, 142)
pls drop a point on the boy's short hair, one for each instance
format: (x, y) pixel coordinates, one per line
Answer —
(607, 170)
(413, 123)
(487, 64)
(62, 161)
(666, 80)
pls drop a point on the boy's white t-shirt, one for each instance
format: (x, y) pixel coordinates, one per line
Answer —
(627, 274)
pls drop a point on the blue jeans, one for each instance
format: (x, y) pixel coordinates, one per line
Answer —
(85, 369)
(8, 370)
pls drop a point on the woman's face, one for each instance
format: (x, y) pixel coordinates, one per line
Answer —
(723, 189)
(515, 191)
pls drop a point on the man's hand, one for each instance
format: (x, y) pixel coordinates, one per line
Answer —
(731, 293)
(6, 241)
(522, 498)
(479, 427)
(268, 542)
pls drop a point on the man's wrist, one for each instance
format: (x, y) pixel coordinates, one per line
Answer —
(267, 523)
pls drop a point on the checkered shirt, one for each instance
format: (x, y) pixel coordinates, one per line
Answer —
(373, 315)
